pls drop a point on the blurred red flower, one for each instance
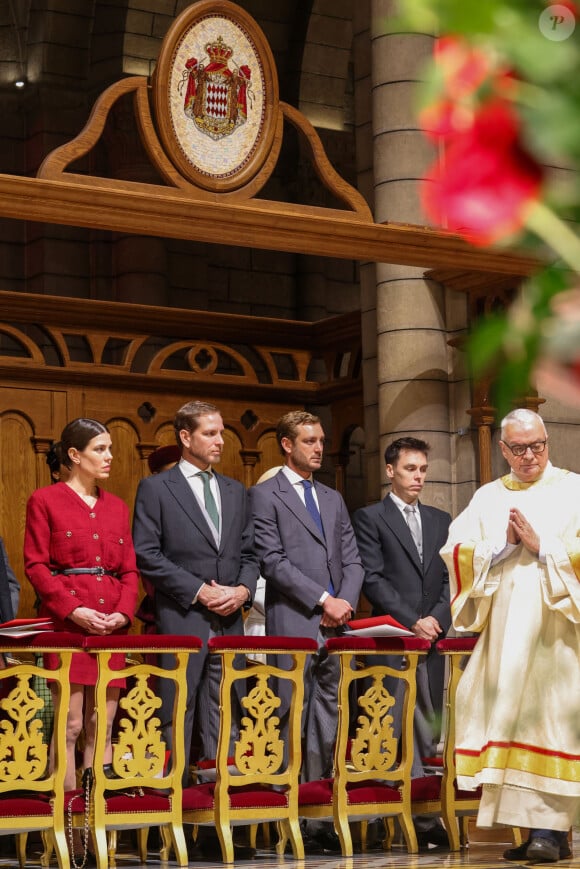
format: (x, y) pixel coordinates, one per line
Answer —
(486, 180)
(463, 66)
(467, 76)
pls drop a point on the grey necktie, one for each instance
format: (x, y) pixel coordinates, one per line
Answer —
(414, 528)
(210, 504)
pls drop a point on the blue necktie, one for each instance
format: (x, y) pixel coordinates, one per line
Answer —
(315, 513)
(311, 505)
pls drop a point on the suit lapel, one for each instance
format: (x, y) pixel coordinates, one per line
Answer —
(227, 507)
(287, 493)
(327, 511)
(180, 490)
(429, 526)
(393, 517)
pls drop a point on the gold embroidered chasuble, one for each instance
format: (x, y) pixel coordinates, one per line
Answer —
(518, 702)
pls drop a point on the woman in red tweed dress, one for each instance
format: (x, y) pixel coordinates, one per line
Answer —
(79, 556)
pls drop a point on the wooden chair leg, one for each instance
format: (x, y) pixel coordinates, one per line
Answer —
(142, 837)
(266, 835)
(112, 846)
(178, 842)
(290, 831)
(283, 837)
(101, 848)
(21, 839)
(517, 836)
(452, 827)
(389, 824)
(343, 829)
(408, 828)
(363, 827)
(47, 849)
(226, 842)
(166, 843)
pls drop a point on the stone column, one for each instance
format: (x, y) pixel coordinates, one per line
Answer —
(412, 353)
(368, 277)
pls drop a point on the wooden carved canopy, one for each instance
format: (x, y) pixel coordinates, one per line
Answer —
(217, 37)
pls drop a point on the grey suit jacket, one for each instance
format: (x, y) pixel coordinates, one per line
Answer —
(297, 562)
(177, 553)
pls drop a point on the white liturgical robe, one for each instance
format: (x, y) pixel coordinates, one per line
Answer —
(518, 702)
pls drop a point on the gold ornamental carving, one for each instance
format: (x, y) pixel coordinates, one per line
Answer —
(140, 749)
(374, 747)
(259, 750)
(23, 752)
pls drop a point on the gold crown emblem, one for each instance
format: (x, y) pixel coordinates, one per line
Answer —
(219, 51)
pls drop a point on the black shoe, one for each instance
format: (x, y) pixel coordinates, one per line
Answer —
(321, 842)
(521, 852)
(518, 853)
(542, 850)
(435, 835)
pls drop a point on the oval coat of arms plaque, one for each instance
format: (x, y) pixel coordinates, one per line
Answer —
(215, 93)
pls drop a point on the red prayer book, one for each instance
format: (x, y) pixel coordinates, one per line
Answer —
(25, 627)
(378, 626)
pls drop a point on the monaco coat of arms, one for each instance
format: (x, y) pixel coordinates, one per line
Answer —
(216, 94)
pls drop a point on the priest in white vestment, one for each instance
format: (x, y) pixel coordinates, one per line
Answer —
(514, 566)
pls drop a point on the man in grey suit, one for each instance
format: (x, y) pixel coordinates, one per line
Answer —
(313, 572)
(194, 539)
(399, 541)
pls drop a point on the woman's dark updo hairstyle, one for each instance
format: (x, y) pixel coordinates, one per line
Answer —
(77, 434)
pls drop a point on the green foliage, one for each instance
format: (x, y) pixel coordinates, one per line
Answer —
(506, 346)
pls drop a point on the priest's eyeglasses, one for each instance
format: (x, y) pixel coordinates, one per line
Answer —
(521, 449)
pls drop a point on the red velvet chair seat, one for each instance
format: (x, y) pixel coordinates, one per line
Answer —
(245, 797)
(145, 800)
(14, 806)
(428, 787)
(318, 793)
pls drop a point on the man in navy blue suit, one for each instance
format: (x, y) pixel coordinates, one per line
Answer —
(399, 541)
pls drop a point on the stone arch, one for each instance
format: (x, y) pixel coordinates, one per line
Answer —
(326, 83)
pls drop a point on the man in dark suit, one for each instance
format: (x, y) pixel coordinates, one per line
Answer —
(399, 541)
(310, 561)
(194, 539)
(9, 587)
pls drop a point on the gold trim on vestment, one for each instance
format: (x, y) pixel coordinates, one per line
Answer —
(514, 485)
(463, 562)
(536, 761)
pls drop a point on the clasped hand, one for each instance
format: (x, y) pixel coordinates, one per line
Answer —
(427, 628)
(222, 599)
(94, 622)
(519, 530)
(335, 612)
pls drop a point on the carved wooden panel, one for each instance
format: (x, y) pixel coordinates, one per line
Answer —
(133, 366)
(18, 479)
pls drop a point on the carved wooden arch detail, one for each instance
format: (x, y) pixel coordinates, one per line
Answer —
(165, 149)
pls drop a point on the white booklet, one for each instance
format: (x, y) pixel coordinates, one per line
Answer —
(378, 626)
(25, 627)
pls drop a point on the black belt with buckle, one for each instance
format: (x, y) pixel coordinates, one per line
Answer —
(93, 571)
